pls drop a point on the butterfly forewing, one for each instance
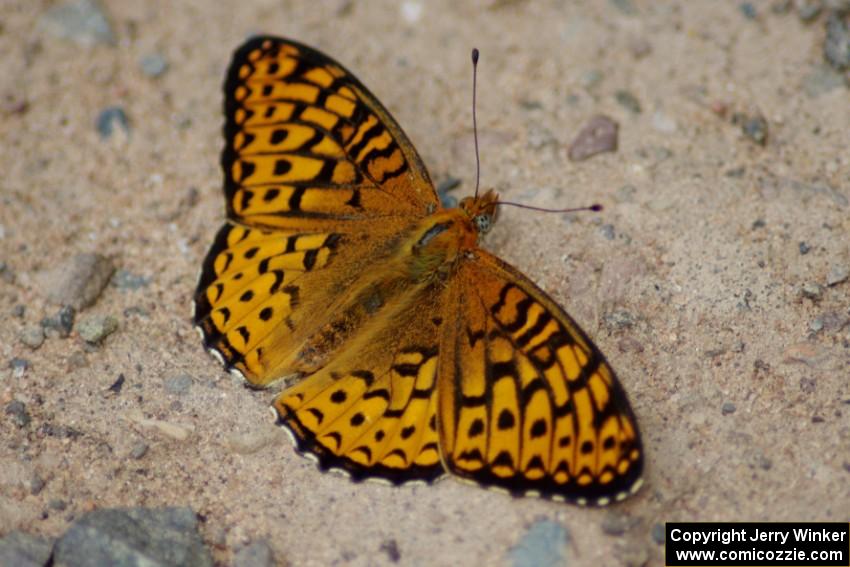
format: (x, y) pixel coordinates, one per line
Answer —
(317, 175)
(304, 138)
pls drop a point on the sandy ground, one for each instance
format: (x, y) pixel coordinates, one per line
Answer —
(704, 280)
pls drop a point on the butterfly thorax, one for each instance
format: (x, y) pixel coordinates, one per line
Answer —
(441, 239)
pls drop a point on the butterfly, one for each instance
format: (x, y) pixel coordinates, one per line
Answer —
(405, 350)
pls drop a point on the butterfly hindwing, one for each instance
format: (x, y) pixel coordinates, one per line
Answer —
(372, 410)
(526, 402)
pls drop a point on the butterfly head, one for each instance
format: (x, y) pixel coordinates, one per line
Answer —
(482, 210)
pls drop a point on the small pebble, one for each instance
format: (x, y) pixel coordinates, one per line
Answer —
(390, 547)
(620, 319)
(19, 366)
(81, 21)
(543, 545)
(728, 408)
(411, 11)
(19, 413)
(634, 556)
(110, 120)
(139, 450)
(816, 324)
(780, 7)
(625, 6)
(95, 328)
(765, 463)
(57, 504)
(607, 230)
(808, 385)
(255, 554)
(755, 128)
(837, 275)
(663, 123)
(78, 281)
(136, 311)
(658, 533)
(628, 101)
(598, 136)
(812, 290)
(804, 248)
(748, 10)
(32, 336)
(591, 78)
(178, 385)
(118, 384)
(836, 46)
(822, 79)
(19, 311)
(24, 550)
(61, 323)
(123, 279)
(809, 11)
(153, 65)
(615, 523)
(37, 484)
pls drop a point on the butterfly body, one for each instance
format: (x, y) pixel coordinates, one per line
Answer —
(407, 349)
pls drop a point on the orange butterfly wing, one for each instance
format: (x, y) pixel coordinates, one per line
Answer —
(317, 174)
(527, 402)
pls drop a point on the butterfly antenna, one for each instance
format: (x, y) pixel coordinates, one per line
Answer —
(595, 208)
(474, 121)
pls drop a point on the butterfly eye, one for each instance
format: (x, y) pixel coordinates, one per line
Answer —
(483, 223)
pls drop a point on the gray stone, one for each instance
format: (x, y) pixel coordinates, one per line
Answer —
(728, 408)
(837, 275)
(616, 523)
(110, 120)
(598, 136)
(25, 550)
(95, 328)
(153, 65)
(658, 533)
(628, 101)
(61, 323)
(811, 290)
(81, 21)
(255, 554)
(32, 336)
(809, 11)
(543, 545)
(755, 128)
(133, 537)
(57, 504)
(139, 450)
(178, 385)
(19, 311)
(19, 366)
(620, 319)
(123, 279)
(836, 46)
(79, 281)
(18, 412)
(821, 80)
(37, 484)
